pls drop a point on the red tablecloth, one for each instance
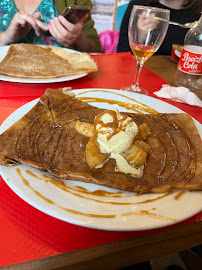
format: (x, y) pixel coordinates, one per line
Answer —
(28, 234)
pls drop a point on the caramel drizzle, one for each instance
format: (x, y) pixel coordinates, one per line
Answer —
(179, 195)
(129, 106)
(135, 107)
(106, 91)
(51, 202)
(55, 182)
(157, 198)
(147, 213)
(100, 193)
(113, 127)
(59, 184)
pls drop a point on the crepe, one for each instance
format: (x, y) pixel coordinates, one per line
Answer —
(39, 62)
(177, 47)
(46, 139)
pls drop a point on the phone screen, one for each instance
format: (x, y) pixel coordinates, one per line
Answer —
(75, 13)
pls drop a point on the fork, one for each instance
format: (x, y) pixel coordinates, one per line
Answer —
(185, 25)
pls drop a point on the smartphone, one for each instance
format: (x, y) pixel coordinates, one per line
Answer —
(75, 13)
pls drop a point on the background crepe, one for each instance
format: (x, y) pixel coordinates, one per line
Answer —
(46, 139)
(33, 61)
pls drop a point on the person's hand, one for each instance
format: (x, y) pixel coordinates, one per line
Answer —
(147, 23)
(21, 25)
(65, 32)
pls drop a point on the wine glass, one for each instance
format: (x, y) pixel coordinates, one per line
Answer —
(146, 31)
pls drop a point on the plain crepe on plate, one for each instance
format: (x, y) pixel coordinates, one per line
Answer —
(46, 139)
(35, 61)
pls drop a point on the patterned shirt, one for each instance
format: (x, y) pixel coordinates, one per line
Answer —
(48, 11)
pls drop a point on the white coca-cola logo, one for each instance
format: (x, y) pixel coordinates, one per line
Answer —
(191, 62)
(195, 59)
(187, 65)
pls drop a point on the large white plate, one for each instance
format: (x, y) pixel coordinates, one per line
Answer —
(128, 215)
(3, 51)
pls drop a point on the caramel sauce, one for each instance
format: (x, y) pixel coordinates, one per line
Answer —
(130, 106)
(179, 195)
(32, 174)
(62, 186)
(147, 213)
(135, 107)
(36, 192)
(101, 193)
(51, 202)
(139, 107)
(112, 128)
(157, 198)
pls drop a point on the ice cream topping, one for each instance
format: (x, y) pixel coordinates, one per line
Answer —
(115, 134)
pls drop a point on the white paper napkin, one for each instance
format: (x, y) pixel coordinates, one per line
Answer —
(179, 94)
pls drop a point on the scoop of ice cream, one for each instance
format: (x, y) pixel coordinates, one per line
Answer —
(115, 134)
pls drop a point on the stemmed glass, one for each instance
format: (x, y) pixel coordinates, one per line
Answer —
(146, 31)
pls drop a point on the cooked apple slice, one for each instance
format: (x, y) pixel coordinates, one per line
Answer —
(93, 155)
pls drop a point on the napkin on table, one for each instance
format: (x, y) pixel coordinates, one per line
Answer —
(179, 94)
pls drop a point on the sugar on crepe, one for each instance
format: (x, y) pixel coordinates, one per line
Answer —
(35, 61)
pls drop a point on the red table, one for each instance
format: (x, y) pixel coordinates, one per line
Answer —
(26, 233)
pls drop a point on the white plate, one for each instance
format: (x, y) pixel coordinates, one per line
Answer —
(177, 53)
(3, 51)
(156, 214)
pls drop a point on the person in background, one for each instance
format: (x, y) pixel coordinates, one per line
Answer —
(181, 11)
(26, 21)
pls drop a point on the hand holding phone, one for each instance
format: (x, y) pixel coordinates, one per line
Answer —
(75, 13)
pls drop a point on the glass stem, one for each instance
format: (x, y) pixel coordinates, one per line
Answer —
(135, 84)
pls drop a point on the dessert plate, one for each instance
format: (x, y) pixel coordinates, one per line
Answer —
(3, 52)
(95, 206)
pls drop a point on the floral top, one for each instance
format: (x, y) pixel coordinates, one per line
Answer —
(48, 11)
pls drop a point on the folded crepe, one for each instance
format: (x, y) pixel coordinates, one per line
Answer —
(38, 62)
(177, 47)
(46, 139)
